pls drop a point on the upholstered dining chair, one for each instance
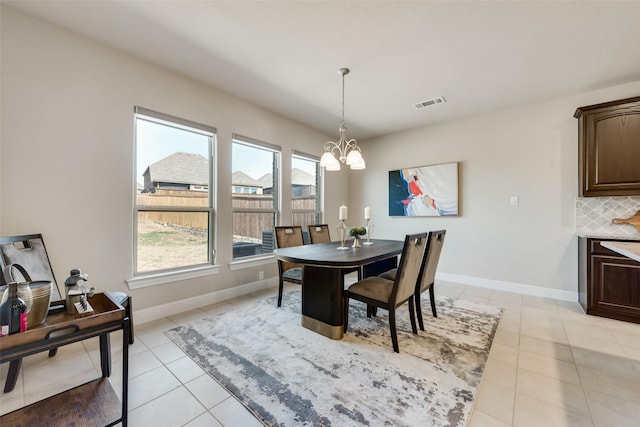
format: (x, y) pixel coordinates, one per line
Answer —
(288, 271)
(319, 233)
(435, 240)
(426, 280)
(389, 295)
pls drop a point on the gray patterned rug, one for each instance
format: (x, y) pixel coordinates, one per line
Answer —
(290, 376)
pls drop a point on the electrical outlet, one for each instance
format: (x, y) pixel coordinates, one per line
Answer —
(261, 275)
(515, 201)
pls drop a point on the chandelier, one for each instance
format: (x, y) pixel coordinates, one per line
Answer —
(345, 151)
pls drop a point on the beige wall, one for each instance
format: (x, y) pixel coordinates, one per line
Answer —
(67, 152)
(529, 151)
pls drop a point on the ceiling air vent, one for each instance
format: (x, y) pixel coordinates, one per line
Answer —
(434, 101)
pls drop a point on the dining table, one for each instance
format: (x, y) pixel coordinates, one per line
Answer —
(323, 268)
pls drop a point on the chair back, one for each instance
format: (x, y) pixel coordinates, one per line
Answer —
(435, 240)
(286, 237)
(319, 233)
(408, 272)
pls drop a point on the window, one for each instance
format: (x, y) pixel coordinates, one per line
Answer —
(255, 198)
(174, 212)
(305, 190)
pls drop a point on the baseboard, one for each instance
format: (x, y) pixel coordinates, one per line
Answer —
(510, 287)
(159, 311)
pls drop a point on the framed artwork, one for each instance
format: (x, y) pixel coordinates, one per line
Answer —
(424, 191)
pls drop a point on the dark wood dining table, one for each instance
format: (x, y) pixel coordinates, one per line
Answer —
(323, 265)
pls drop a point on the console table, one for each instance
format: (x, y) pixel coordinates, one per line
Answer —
(91, 404)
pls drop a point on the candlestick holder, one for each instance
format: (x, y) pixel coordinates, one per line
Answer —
(369, 228)
(342, 232)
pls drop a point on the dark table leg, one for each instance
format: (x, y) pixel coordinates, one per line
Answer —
(105, 355)
(322, 301)
(12, 375)
(126, 339)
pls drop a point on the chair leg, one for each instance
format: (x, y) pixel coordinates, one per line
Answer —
(392, 328)
(412, 316)
(433, 301)
(419, 310)
(280, 289)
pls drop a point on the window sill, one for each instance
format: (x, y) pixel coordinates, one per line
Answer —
(251, 262)
(172, 276)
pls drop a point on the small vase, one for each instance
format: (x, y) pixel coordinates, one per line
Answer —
(356, 242)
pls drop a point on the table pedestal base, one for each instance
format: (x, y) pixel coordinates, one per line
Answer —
(333, 332)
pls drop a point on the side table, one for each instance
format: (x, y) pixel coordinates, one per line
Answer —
(94, 403)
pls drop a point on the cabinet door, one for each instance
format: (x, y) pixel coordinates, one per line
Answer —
(615, 288)
(611, 151)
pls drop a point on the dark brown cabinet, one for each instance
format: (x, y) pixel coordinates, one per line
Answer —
(609, 283)
(609, 150)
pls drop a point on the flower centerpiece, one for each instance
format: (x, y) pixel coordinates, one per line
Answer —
(356, 232)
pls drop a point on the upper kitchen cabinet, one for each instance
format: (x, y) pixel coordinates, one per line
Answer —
(609, 150)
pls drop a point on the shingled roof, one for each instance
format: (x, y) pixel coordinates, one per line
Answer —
(180, 168)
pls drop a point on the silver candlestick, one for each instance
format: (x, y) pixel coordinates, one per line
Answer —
(342, 232)
(369, 228)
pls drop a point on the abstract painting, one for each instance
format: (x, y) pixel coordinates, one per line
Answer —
(424, 191)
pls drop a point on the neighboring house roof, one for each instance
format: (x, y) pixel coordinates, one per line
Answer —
(300, 177)
(182, 168)
(266, 180)
(241, 178)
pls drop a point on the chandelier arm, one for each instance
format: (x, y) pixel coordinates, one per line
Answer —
(351, 145)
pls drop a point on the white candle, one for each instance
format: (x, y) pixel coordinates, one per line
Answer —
(343, 212)
(367, 213)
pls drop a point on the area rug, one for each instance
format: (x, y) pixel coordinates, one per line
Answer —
(290, 376)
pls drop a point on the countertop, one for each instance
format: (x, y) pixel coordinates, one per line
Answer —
(628, 249)
(609, 236)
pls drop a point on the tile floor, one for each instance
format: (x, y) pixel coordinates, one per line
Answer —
(550, 365)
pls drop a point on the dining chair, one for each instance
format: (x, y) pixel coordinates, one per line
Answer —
(426, 280)
(435, 240)
(319, 233)
(389, 295)
(286, 237)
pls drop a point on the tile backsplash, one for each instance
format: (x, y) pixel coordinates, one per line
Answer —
(594, 215)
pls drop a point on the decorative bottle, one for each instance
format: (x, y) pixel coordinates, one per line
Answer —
(13, 312)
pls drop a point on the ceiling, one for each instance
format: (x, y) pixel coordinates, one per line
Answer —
(285, 55)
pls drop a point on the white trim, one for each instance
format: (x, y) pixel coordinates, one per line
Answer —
(171, 276)
(519, 288)
(175, 307)
(251, 262)
(180, 306)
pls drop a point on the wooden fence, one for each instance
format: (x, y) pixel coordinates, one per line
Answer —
(246, 226)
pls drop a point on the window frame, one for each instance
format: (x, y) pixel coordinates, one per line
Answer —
(159, 276)
(276, 150)
(319, 187)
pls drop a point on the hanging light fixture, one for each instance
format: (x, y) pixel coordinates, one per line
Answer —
(345, 151)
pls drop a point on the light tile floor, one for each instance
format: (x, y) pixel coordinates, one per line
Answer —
(550, 365)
